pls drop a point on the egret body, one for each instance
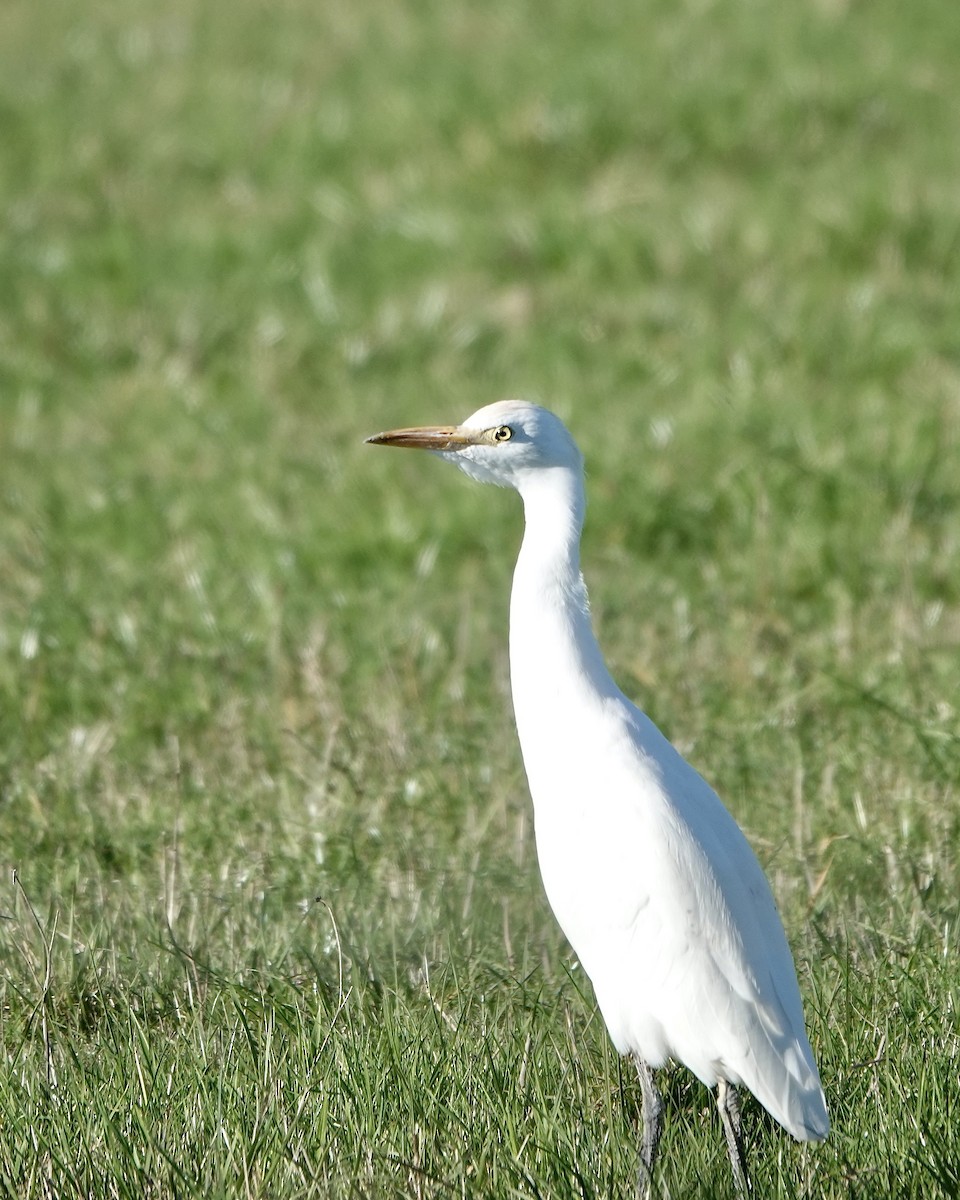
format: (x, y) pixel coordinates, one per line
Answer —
(650, 878)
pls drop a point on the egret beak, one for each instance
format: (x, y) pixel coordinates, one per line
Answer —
(426, 437)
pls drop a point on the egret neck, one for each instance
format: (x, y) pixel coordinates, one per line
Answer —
(556, 666)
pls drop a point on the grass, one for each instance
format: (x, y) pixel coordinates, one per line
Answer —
(270, 924)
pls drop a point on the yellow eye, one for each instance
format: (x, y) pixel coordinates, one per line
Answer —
(503, 433)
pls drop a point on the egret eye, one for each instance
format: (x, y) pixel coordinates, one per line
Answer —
(503, 433)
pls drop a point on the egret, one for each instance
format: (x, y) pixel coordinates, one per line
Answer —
(652, 881)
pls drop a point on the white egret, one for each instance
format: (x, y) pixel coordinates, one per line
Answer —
(650, 878)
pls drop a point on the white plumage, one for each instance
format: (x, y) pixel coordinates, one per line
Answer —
(650, 878)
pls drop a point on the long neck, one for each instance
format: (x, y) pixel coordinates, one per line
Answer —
(555, 662)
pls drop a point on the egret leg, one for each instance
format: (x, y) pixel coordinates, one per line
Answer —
(652, 1126)
(728, 1102)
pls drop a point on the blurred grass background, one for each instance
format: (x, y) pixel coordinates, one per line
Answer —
(246, 662)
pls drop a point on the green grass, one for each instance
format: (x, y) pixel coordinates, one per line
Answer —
(271, 924)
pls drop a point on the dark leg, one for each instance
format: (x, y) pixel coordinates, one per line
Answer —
(728, 1102)
(652, 1126)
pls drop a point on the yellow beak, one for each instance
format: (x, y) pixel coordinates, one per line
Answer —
(426, 437)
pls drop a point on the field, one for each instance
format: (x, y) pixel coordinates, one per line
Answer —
(271, 923)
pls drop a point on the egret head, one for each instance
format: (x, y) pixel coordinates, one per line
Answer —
(506, 443)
